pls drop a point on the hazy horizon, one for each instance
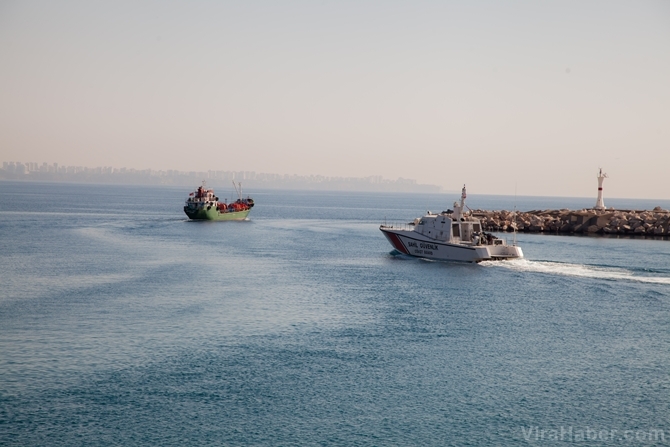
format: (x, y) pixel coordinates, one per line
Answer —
(516, 97)
(253, 183)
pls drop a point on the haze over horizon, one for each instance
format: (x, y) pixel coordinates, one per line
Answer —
(507, 97)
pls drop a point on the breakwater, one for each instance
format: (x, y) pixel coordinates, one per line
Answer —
(632, 222)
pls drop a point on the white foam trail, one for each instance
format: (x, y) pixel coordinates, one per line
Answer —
(580, 270)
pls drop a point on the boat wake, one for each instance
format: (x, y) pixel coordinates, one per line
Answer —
(578, 270)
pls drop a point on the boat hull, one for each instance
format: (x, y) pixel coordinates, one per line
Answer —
(214, 214)
(413, 244)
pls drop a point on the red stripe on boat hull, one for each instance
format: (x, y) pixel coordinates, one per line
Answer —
(396, 242)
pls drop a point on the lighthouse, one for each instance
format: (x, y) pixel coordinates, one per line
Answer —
(600, 205)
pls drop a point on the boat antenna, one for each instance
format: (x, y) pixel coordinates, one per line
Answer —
(464, 195)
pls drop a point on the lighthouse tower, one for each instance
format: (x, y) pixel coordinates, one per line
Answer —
(600, 205)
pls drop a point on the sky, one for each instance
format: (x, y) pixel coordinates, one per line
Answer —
(514, 97)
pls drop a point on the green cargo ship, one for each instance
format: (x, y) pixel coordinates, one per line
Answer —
(203, 204)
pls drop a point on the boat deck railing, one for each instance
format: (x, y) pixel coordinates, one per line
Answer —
(398, 226)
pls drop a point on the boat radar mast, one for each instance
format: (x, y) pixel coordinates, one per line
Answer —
(458, 207)
(600, 204)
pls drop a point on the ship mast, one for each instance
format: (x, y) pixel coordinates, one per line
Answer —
(463, 196)
(458, 208)
(238, 191)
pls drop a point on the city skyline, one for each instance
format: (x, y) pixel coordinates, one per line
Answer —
(510, 98)
(33, 171)
(36, 171)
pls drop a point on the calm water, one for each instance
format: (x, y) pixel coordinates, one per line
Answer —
(121, 323)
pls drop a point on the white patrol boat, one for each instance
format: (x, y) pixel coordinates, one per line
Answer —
(449, 236)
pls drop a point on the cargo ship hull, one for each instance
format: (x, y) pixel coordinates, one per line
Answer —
(214, 214)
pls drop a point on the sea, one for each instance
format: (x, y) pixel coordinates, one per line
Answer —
(122, 323)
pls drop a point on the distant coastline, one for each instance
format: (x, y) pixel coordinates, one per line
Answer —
(43, 172)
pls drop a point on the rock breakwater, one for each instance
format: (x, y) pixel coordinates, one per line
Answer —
(632, 222)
